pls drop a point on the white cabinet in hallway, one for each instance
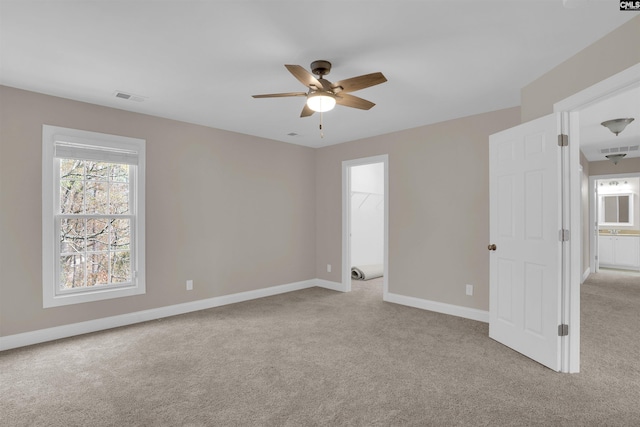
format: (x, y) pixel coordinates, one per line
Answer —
(619, 251)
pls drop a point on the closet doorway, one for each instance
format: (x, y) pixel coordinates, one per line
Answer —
(365, 227)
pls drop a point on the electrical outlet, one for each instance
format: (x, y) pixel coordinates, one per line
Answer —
(189, 285)
(328, 268)
(469, 289)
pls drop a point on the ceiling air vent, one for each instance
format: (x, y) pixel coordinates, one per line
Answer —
(128, 96)
(619, 149)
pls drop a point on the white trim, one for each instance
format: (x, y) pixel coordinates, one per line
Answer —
(65, 331)
(346, 217)
(50, 192)
(571, 252)
(611, 86)
(334, 286)
(439, 307)
(586, 274)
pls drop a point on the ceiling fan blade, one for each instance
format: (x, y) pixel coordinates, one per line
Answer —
(280, 95)
(306, 111)
(305, 77)
(347, 100)
(360, 82)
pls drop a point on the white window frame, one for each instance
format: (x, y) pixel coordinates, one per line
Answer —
(51, 295)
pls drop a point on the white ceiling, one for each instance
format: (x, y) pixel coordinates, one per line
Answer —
(200, 61)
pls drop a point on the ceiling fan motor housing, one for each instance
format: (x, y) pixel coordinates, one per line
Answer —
(321, 67)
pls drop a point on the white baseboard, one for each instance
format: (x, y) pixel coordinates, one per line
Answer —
(439, 307)
(65, 331)
(43, 335)
(334, 286)
(586, 274)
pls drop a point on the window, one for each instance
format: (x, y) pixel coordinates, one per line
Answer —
(92, 216)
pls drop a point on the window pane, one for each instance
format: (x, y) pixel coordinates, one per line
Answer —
(119, 198)
(120, 234)
(96, 197)
(97, 170)
(71, 196)
(72, 270)
(72, 232)
(120, 267)
(98, 268)
(71, 169)
(119, 173)
(97, 234)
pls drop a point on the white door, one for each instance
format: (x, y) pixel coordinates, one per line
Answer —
(525, 222)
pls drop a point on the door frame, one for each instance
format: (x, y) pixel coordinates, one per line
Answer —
(570, 108)
(346, 219)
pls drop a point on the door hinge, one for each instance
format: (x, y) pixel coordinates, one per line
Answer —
(564, 235)
(563, 330)
(563, 140)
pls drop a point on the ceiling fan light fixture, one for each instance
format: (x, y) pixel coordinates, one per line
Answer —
(615, 158)
(617, 125)
(321, 102)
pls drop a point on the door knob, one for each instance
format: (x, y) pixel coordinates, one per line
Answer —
(492, 247)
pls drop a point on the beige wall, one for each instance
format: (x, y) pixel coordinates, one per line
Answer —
(606, 167)
(232, 212)
(237, 213)
(612, 54)
(438, 207)
(450, 247)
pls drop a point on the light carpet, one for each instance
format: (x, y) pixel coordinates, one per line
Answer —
(317, 357)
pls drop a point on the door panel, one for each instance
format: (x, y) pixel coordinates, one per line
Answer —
(525, 219)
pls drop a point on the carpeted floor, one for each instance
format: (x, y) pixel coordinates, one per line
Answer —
(317, 357)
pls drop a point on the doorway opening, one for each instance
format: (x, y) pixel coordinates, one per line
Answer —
(574, 108)
(365, 227)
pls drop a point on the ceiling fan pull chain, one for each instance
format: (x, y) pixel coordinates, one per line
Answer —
(321, 133)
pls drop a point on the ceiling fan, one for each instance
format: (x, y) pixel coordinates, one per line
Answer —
(324, 95)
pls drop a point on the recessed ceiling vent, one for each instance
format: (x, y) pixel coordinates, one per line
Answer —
(619, 149)
(129, 96)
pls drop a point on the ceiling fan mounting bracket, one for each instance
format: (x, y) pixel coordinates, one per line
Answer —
(321, 67)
